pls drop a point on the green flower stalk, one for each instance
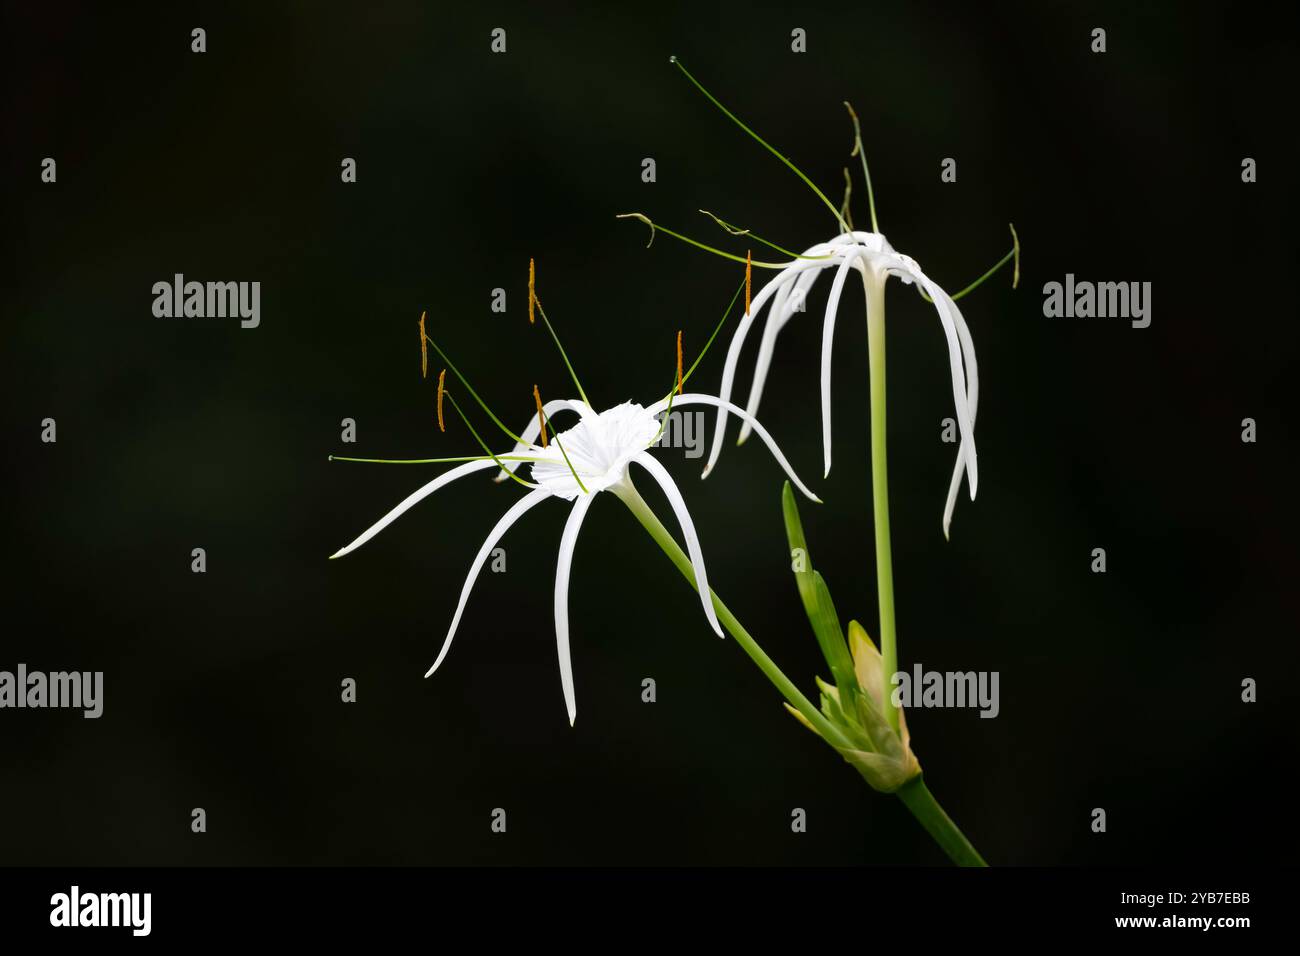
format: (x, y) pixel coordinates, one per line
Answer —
(858, 707)
(859, 703)
(858, 732)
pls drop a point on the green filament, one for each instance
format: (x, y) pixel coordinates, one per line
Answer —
(732, 116)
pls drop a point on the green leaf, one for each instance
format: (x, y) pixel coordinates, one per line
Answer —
(817, 603)
(800, 562)
(831, 638)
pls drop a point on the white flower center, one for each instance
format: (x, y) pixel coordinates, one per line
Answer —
(599, 449)
(871, 241)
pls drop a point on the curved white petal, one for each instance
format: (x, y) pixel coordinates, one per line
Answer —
(946, 308)
(699, 398)
(776, 317)
(957, 355)
(529, 500)
(533, 429)
(738, 342)
(660, 474)
(446, 478)
(828, 334)
(782, 313)
(568, 539)
(972, 399)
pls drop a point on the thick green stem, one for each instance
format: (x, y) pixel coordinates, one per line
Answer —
(916, 796)
(875, 289)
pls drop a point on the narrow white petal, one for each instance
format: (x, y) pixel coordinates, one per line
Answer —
(529, 500)
(828, 334)
(946, 309)
(961, 377)
(784, 312)
(738, 342)
(972, 398)
(568, 540)
(660, 474)
(446, 478)
(533, 429)
(699, 398)
(776, 317)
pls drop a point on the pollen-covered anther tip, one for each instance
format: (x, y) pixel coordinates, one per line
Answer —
(679, 361)
(442, 377)
(541, 416)
(532, 291)
(749, 277)
(424, 349)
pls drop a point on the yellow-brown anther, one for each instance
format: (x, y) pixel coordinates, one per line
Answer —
(424, 350)
(749, 277)
(532, 289)
(679, 361)
(441, 376)
(541, 418)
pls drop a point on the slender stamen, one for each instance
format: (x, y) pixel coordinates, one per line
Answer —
(716, 329)
(567, 364)
(749, 278)
(674, 392)
(464, 381)
(482, 444)
(534, 300)
(546, 423)
(541, 417)
(435, 461)
(442, 377)
(424, 350)
(732, 116)
(737, 231)
(698, 245)
(866, 173)
(1012, 256)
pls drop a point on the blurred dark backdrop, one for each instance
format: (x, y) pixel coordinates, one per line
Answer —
(1119, 691)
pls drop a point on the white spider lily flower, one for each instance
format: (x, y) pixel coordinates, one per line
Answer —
(871, 254)
(594, 455)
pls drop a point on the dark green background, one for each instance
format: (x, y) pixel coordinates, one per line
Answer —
(222, 690)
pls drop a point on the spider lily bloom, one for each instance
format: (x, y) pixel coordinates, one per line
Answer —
(576, 465)
(873, 257)
(871, 254)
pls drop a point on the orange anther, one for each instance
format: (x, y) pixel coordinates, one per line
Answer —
(541, 417)
(749, 277)
(441, 376)
(679, 362)
(424, 350)
(532, 289)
